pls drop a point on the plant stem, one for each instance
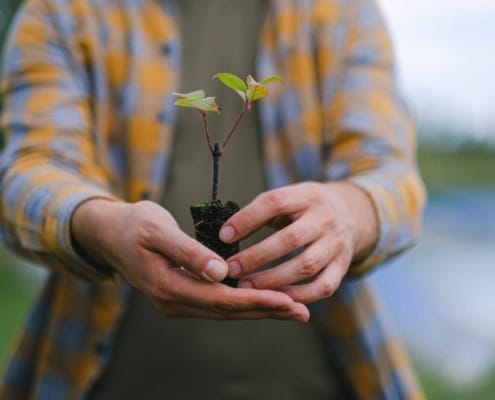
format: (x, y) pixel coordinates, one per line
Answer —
(216, 153)
(207, 132)
(236, 123)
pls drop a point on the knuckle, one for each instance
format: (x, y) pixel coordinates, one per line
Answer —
(342, 242)
(146, 232)
(277, 200)
(309, 265)
(294, 238)
(329, 222)
(252, 260)
(328, 288)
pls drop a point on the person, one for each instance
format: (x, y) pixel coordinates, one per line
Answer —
(99, 167)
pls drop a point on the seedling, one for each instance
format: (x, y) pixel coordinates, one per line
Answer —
(249, 91)
(209, 217)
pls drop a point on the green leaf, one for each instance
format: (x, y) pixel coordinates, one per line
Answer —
(233, 82)
(271, 78)
(204, 104)
(196, 94)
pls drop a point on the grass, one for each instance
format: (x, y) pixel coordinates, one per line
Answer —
(17, 292)
(468, 167)
(438, 388)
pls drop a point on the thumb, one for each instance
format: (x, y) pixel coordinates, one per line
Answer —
(186, 252)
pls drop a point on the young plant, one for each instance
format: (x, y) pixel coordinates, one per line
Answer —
(249, 91)
(209, 217)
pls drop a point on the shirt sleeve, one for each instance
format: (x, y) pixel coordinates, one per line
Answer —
(373, 143)
(48, 165)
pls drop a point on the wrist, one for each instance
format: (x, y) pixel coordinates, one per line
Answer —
(363, 219)
(91, 226)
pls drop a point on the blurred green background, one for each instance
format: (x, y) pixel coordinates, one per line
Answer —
(455, 168)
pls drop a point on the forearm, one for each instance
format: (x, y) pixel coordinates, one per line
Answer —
(398, 196)
(373, 140)
(49, 164)
(35, 210)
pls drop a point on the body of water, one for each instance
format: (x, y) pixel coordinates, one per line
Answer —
(442, 292)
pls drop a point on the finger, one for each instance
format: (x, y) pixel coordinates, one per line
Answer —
(299, 313)
(322, 287)
(263, 209)
(175, 286)
(184, 251)
(302, 267)
(298, 234)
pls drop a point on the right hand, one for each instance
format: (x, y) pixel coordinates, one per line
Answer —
(179, 275)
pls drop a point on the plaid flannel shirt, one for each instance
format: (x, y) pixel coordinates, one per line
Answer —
(88, 113)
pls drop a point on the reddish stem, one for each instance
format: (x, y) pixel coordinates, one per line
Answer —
(207, 132)
(234, 127)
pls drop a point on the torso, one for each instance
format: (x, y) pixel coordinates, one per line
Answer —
(186, 359)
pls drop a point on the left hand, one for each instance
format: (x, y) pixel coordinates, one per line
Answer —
(335, 223)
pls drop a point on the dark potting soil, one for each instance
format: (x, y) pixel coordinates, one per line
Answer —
(208, 219)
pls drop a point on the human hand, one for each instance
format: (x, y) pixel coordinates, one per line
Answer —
(143, 242)
(335, 223)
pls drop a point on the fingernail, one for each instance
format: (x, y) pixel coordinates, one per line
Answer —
(227, 233)
(234, 269)
(215, 270)
(245, 285)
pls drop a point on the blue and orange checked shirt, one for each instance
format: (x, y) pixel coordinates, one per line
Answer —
(88, 112)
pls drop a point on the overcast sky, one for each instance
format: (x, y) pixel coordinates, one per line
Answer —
(446, 52)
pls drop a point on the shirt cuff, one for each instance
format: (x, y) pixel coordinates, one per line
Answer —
(384, 204)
